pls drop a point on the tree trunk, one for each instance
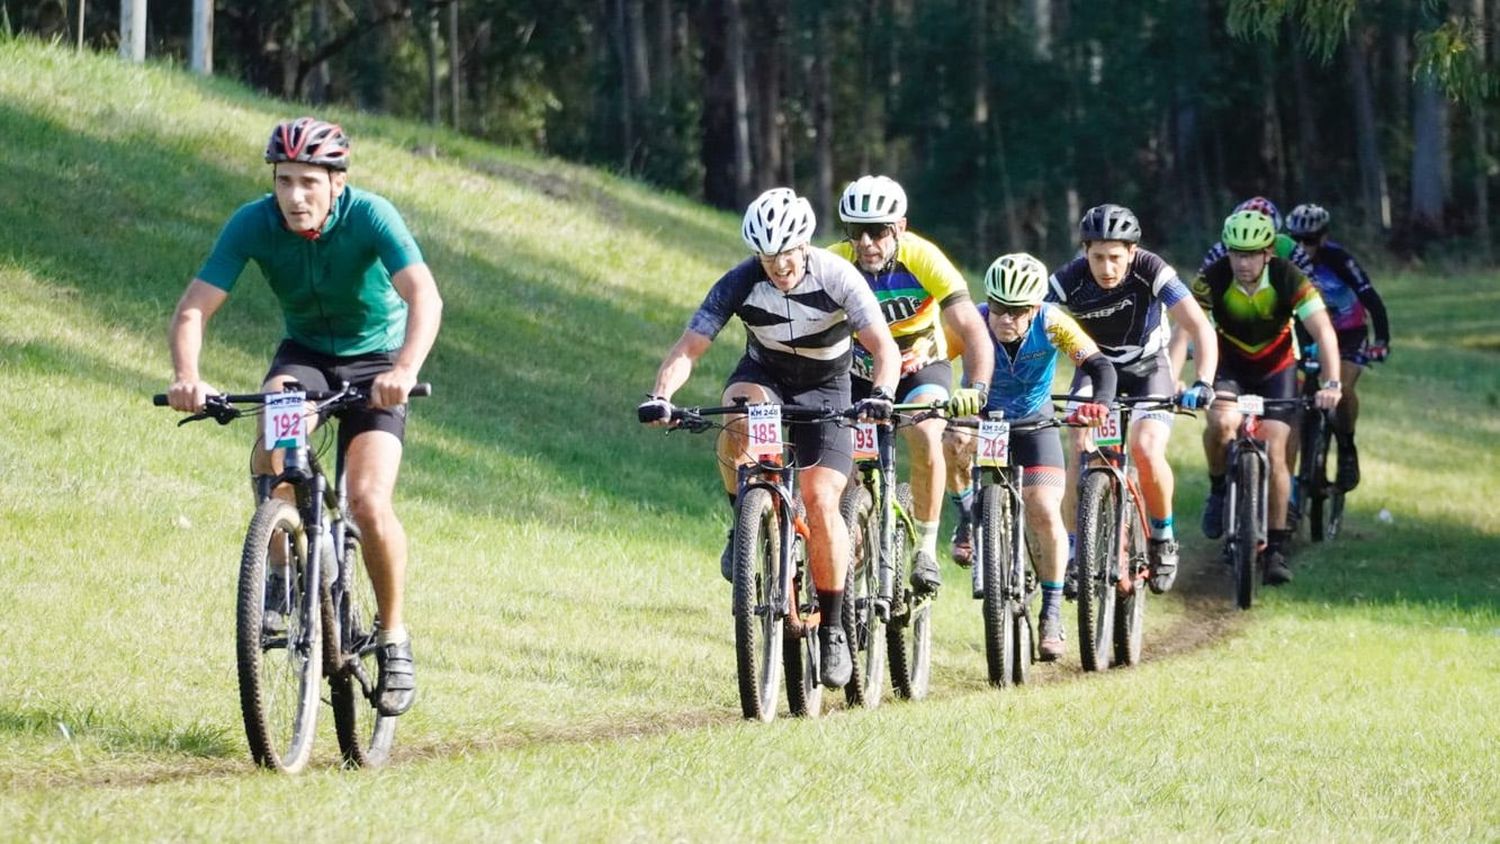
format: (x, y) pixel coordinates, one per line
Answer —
(1429, 158)
(429, 24)
(979, 124)
(663, 56)
(718, 135)
(1273, 161)
(1480, 141)
(741, 101)
(1308, 163)
(317, 90)
(203, 35)
(1374, 197)
(1039, 21)
(455, 67)
(770, 32)
(822, 107)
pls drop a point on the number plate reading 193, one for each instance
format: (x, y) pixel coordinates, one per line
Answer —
(994, 442)
(765, 430)
(284, 427)
(1109, 432)
(1253, 405)
(865, 442)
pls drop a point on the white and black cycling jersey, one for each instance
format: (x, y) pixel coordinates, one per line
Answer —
(801, 336)
(1127, 320)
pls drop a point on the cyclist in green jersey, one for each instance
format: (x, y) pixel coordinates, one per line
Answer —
(360, 305)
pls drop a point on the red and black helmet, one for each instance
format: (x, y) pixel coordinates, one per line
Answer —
(308, 140)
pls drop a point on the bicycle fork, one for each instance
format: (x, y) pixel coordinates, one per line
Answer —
(886, 487)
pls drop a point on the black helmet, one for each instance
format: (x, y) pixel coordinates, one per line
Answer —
(308, 140)
(1109, 222)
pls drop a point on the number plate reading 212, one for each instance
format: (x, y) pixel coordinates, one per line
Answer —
(994, 442)
(284, 428)
(765, 430)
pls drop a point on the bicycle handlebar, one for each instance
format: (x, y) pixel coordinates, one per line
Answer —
(421, 390)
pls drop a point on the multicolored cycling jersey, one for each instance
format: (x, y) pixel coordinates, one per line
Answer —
(1127, 319)
(919, 280)
(1255, 327)
(802, 337)
(1022, 383)
(1286, 248)
(1347, 292)
(335, 290)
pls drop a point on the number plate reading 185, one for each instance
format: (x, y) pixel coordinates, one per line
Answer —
(765, 430)
(1109, 432)
(865, 442)
(1253, 405)
(284, 425)
(994, 442)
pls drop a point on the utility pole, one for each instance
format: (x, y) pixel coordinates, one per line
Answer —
(203, 37)
(133, 30)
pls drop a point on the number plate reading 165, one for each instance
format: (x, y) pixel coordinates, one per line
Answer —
(1109, 432)
(765, 430)
(284, 427)
(994, 442)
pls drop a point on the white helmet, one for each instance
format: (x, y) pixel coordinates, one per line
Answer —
(1016, 279)
(1307, 220)
(778, 220)
(872, 199)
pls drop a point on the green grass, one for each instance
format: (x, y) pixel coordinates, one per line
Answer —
(571, 626)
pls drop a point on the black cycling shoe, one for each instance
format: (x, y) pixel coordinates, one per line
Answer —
(278, 606)
(726, 559)
(397, 687)
(926, 578)
(962, 546)
(1213, 516)
(1070, 580)
(1278, 572)
(833, 654)
(1348, 474)
(1163, 556)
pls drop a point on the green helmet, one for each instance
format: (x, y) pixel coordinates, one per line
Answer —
(1016, 279)
(1248, 231)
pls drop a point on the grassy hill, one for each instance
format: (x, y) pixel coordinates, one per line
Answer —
(571, 628)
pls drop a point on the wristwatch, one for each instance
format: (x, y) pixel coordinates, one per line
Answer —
(1332, 384)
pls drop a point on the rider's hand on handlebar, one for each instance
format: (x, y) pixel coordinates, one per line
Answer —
(1328, 398)
(966, 402)
(1378, 352)
(877, 408)
(1091, 414)
(392, 387)
(1196, 397)
(189, 396)
(655, 410)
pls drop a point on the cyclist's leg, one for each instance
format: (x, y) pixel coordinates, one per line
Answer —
(1041, 453)
(1223, 422)
(751, 381)
(1276, 430)
(927, 467)
(827, 450)
(1079, 441)
(313, 371)
(958, 453)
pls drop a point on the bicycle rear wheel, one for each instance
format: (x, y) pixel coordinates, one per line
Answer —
(1097, 551)
(1335, 521)
(909, 635)
(757, 624)
(863, 625)
(1316, 486)
(280, 663)
(804, 694)
(1130, 608)
(1245, 527)
(364, 735)
(999, 615)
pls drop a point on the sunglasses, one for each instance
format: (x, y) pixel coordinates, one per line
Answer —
(876, 231)
(1012, 311)
(1313, 240)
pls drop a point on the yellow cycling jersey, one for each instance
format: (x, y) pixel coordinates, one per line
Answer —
(919, 281)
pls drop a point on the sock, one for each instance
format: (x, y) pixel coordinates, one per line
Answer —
(964, 502)
(927, 538)
(1217, 484)
(394, 636)
(1051, 598)
(831, 605)
(1161, 529)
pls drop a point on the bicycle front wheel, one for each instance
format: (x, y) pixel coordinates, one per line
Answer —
(278, 639)
(994, 549)
(1098, 553)
(1246, 527)
(757, 623)
(1315, 485)
(862, 623)
(364, 735)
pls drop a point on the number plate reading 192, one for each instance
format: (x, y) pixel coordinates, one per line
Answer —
(994, 442)
(284, 425)
(1252, 405)
(865, 442)
(765, 430)
(1109, 432)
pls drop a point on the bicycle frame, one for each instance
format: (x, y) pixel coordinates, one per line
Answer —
(1117, 464)
(879, 476)
(780, 479)
(1247, 439)
(1012, 479)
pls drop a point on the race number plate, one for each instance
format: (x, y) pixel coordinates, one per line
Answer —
(1252, 405)
(865, 442)
(765, 430)
(1109, 432)
(994, 442)
(284, 423)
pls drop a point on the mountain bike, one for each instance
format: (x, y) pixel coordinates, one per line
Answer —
(888, 622)
(1112, 555)
(775, 603)
(305, 603)
(1247, 493)
(1003, 574)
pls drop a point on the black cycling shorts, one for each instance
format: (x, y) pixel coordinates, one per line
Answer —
(317, 371)
(1352, 345)
(1149, 377)
(823, 444)
(1277, 385)
(933, 382)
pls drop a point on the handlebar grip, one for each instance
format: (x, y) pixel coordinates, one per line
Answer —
(159, 400)
(421, 390)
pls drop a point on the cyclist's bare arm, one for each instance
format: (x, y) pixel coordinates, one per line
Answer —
(678, 364)
(185, 338)
(1321, 328)
(877, 339)
(1178, 346)
(1189, 317)
(424, 315)
(963, 319)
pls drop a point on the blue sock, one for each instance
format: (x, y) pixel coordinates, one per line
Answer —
(1051, 598)
(964, 501)
(1162, 528)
